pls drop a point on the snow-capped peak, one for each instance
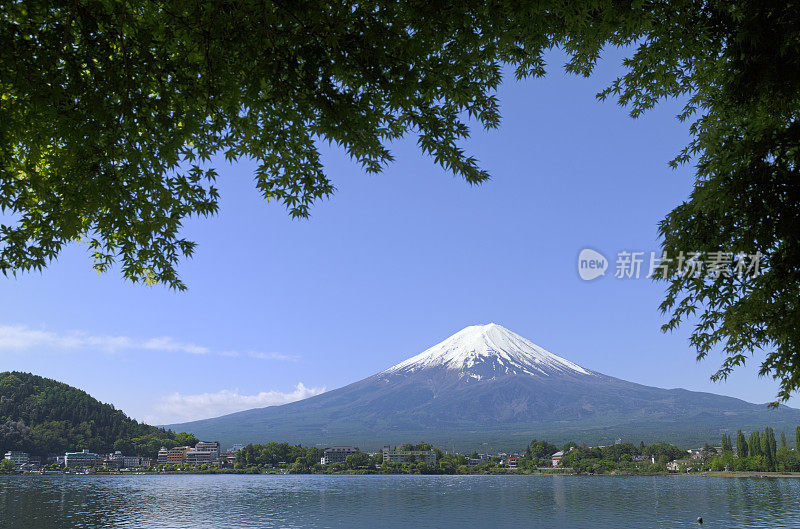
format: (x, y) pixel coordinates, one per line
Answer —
(489, 350)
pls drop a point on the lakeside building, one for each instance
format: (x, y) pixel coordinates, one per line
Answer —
(131, 461)
(177, 455)
(337, 454)
(695, 453)
(208, 446)
(203, 452)
(228, 459)
(556, 458)
(199, 457)
(402, 456)
(85, 458)
(475, 461)
(18, 458)
(679, 464)
(114, 461)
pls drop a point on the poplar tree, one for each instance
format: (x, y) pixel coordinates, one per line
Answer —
(765, 452)
(768, 448)
(741, 444)
(755, 444)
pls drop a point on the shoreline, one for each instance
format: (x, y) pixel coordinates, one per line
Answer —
(712, 474)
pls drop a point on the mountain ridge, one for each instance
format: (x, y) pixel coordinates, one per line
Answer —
(486, 385)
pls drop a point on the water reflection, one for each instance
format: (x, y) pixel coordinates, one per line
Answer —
(94, 502)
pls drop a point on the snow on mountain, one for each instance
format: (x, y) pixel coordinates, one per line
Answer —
(479, 351)
(486, 384)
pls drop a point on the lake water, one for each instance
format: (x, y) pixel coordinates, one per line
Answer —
(264, 501)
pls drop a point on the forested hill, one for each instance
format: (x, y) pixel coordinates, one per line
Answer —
(43, 416)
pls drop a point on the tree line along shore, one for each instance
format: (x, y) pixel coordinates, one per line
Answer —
(759, 453)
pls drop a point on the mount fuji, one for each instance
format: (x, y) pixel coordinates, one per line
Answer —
(488, 387)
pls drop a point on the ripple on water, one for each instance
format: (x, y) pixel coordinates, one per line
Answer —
(372, 502)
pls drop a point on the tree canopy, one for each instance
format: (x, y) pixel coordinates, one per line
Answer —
(110, 112)
(42, 416)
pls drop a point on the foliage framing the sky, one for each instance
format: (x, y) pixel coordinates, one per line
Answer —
(111, 111)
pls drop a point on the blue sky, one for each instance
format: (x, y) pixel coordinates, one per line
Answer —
(278, 309)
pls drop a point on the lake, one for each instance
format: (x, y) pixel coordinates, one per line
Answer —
(373, 502)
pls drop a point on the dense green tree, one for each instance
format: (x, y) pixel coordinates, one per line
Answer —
(773, 448)
(788, 461)
(616, 452)
(540, 450)
(726, 443)
(747, 195)
(273, 454)
(566, 447)
(741, 445)
(112, 110)
(358, 460)
(43, 416)
(797, 438)
(450, 463)
(6, 466)
(755, 444)
(784, 442)
(664, 450)
(768, 448)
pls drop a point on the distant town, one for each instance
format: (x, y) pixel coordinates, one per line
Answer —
(761, 453)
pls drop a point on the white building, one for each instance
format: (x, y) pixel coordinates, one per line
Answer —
(84, 458)
(198, 457)
(679, 464)
(115, 460)
(203, 452)
(131, 461)
(18, 458)
(556, 458)
(162, 455)
(337, 454)
(208, 446)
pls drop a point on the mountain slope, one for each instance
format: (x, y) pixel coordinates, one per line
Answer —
(486, 384)
(42, 416)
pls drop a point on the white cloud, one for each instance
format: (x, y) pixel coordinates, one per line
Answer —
(273, 356)
(165, 343)
(17, 338)
(20, 337)
(176, 407)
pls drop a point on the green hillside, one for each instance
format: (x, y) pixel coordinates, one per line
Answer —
(43, 416)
